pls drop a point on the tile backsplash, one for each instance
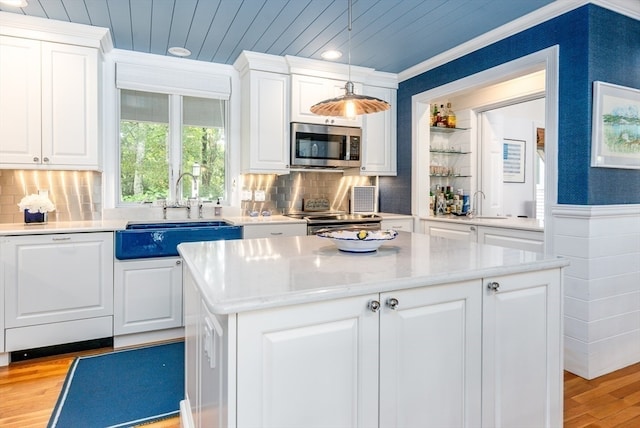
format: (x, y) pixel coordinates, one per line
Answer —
(284, 193)
(77, 195)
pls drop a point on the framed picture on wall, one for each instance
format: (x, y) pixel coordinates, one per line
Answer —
(615, 140)
(513, 156)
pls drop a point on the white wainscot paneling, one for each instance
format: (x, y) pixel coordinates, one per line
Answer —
(602, 286)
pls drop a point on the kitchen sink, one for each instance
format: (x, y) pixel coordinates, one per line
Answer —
(145, 240)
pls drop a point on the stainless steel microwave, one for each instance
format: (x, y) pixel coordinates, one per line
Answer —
(325, 146)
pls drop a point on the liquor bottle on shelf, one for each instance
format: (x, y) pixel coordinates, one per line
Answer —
(451, 117)
(442, 117)
(434, 115)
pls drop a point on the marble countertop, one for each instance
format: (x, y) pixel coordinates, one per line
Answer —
(531, 224)
(243, 275)
(113, 225)
(61, 227)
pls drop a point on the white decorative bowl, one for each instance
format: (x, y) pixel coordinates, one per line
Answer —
(348, 240)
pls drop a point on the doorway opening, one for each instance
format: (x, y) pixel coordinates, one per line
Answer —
(511, 166)
(493, 85)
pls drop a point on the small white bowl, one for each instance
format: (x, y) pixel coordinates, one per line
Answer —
(348, 240)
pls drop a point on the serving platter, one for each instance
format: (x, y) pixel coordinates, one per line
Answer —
(358, 241)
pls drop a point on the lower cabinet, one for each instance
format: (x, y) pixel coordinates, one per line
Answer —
(58, 288)
(522, 350)
(430, 356)
(466, 232)
(398, 224)
(513, 238)
(147, 295)
(268, 230)
(461, 355)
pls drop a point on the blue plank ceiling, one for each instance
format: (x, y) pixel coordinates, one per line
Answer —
(387, 35)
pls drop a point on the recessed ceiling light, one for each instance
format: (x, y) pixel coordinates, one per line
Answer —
(331, 54)
(177, 51)
(15, 3)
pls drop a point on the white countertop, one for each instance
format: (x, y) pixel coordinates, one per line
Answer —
(113, 225)
(532, 224)
(61, 227)
(243, 275)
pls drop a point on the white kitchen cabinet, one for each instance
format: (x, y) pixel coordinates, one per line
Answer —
(339, 363)
(273, 230)
(527, 240)
(309, 90)
(3, 358)
(49, 106)
(522, 349)
(404, 224)
(467, 232)
(430, 356)
(313, 365)
(265, 122)
(147, 295)
(379, 147)
(58, 288)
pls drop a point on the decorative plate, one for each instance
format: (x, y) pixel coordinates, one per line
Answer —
(363, 241)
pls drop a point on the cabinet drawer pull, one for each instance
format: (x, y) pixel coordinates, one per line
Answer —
(392, 303)
(276, 233)
(374, 306)
(61, 239)
(493, 286)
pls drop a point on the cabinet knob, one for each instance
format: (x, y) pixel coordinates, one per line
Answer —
(493, 286)
(36, 159)
(374, 306)
(45, 159)
(178, 262)
(364, 168)
(392, 303)
(472, 228)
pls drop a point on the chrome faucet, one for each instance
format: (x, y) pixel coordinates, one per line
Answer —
(474, 208)
(178, 191)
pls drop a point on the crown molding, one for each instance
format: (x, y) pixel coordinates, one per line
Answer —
(552, 10)
(29, 27)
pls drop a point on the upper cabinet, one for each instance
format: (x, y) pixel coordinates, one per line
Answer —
(264, 114)
(379, 147)
(279, 90)
(49, 109)
(307, 91)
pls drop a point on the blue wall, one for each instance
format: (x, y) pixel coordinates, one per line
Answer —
(595, 44)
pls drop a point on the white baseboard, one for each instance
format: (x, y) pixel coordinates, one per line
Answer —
(136, 339)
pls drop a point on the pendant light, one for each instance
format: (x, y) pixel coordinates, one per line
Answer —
(349, 105)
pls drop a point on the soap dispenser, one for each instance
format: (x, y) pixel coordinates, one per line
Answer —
(217, 210)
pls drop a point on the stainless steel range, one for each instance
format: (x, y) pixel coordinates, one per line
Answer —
(322, 221)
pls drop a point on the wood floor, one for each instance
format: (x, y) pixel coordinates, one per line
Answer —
(29, 390)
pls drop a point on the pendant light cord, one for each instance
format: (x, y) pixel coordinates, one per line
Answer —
(349, 45)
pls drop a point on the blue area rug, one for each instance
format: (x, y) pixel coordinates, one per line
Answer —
(122, 388)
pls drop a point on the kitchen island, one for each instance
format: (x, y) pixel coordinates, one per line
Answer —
(425, 331)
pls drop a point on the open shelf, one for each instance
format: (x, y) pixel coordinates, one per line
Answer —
(446, 130)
